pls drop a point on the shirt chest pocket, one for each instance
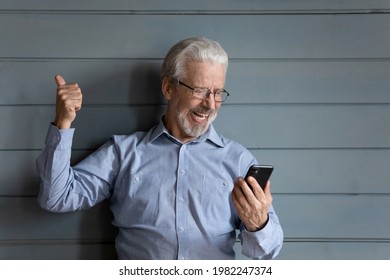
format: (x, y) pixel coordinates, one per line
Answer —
(216, 205)
(140, 199)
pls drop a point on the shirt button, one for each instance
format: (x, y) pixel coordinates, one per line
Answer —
(182, 258)
(183, 172)
(136, 179)
(181, 200)
(181, 229)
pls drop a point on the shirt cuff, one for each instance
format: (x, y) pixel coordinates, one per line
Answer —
(59, 138)
(258, 243)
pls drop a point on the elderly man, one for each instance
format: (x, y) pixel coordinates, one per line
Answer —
(176, 191)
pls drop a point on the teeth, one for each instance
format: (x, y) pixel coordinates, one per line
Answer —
(199, 116)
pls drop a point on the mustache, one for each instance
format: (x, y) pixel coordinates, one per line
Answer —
(203, 110)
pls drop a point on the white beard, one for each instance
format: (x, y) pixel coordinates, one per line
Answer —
(190, 129)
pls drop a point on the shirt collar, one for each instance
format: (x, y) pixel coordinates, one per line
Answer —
(210, 135)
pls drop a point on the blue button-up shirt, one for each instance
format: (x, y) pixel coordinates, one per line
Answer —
(169, 200)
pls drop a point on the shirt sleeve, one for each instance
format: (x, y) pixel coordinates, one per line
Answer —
(265, 243)
(64, 188)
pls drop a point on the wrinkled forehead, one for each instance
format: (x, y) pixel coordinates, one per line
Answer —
(205, 74)
(193, 68)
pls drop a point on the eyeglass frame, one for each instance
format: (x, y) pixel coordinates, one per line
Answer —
(208, 92)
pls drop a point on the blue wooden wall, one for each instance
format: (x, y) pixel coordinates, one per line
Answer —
(310, 84)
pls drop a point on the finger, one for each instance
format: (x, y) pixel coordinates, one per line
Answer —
(255, 186)
(250, 189)
(267, 191)
(77, 106)
(244, 210)
(259, 196)
(74, 96)
(72, 105)
(239, 192)
(59, 80)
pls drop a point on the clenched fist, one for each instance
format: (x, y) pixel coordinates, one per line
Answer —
(68, 103)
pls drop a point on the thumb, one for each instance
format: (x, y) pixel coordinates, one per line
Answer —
(59, 80)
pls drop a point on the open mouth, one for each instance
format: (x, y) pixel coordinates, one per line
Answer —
(198, 117)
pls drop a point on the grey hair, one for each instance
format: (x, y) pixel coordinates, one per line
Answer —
(198, 49)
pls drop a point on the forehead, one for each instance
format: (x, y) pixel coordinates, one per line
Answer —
(205, 73)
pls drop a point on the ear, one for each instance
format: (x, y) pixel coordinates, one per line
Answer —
(167, 88)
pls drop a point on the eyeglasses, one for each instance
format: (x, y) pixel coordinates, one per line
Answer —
(220, 95)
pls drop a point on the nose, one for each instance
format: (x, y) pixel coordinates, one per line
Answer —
(209, 102)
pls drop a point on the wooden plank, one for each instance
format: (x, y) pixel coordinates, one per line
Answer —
(351, 171)
(329, 250)
(261, 126)
(331, 221)
(54, 251)
(353, 217)
(304, 217)
(33, 122)
(313, 81)
(174, 5)
(359, 250)
(25, 220)
(136, 82)
(311, 126)
(18, 176)
(290, 251)
(102, 82)
(101, 36)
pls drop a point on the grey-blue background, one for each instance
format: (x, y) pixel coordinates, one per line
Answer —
(309, 83)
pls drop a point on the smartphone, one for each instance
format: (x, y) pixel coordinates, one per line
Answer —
(261, 173)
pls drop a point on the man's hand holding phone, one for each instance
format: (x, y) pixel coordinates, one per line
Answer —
(251, 200)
